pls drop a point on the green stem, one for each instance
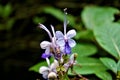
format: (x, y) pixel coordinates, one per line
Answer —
(65, 77)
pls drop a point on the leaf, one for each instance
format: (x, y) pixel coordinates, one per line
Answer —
(95, 16)
(59, 14)
(7, 10)
(1, 10)
(36, 67)
(103, 75)
(118, 65)
(88, 65)
(110, 64)
(86, 34)
(9, 24)
(108, 38)
(37, 20)
(84, 49)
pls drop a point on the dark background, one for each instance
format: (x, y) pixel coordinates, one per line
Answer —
(19, 46)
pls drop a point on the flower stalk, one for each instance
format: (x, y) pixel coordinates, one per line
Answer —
(59, 47)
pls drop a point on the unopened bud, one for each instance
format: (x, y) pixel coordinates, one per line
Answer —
(75, 55)
(52, 75)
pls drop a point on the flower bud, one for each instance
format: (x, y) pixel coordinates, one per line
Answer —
(75, 55)
(52, 75)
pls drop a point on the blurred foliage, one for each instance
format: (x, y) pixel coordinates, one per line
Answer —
(97, 35)
(6, 21)
(98, 20)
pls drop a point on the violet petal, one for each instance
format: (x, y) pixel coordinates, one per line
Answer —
(67, 48)
(44, 55)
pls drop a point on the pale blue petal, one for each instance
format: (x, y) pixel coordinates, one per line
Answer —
(47, 51)
(43, 69)
(45, 44)
(71, 42)
(62, 48)
(71, 33)
(60, 42)
(45, 74)
(59, 35)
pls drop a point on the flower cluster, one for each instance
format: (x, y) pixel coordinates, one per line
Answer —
(59, 47)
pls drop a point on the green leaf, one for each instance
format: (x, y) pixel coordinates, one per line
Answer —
(108, 37)
(86, 34)
(95, 16)
(7, 10)
(1, 10)
(110, 64)
(37, 20)
(9, 24)
(84, 49)
(103, 75)
(88, 65)
(118, 65)
(59, 15)
(36, 67)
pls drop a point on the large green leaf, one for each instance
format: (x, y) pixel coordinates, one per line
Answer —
(84, 49)
(94, 16)
(110, 64)
(88, 65)
(118, 65)
(103, 75)
(86, 35)
(108, 37)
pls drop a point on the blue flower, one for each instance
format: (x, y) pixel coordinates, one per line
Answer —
(71, 61)
(47, 46)
(50, 71)
(65, 41)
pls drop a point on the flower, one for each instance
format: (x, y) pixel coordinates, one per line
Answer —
(65, 40)
(46, 45)
(50, 71)
(59, 47)
(71, 61)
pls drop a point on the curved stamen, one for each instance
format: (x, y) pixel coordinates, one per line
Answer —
(43, 27)
(65, 20)
(53, 30)
(54, 38)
